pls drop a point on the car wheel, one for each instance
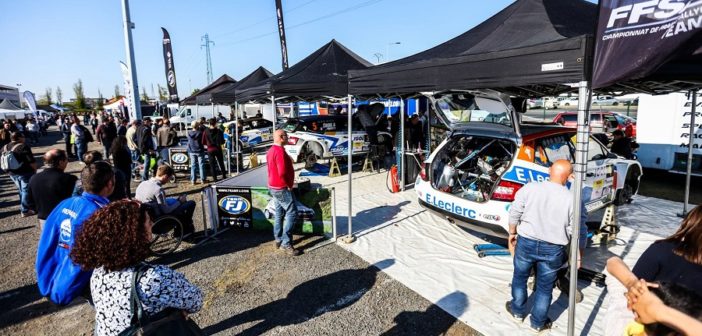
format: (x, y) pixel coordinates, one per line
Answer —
(267, 214)
(615, 103)
(566, 104)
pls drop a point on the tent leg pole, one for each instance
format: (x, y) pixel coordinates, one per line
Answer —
(350, 237)
(693, 111)
(579, 170)
(275, 113)
(401, 112)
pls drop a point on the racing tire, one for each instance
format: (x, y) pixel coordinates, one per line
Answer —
(624, 195)
(267, 214)
(312, 154)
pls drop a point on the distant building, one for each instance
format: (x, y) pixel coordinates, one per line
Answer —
(10, 93)
(91, 102)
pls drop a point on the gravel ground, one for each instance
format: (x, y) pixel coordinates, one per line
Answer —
(250, 288)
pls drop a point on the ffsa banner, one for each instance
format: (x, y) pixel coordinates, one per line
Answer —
(636, 37)
(128, 94)
(170, 67)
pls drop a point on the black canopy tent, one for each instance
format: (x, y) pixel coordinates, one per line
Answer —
(225, 94)
(531, 48)
(321, 74)
(193, 99)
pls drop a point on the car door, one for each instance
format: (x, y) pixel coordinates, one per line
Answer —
(599, 177)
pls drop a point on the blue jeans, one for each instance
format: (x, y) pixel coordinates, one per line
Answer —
(22, 183)
(548, 259)
(197, 161)
(135, 157)
(147, 164)
(284, 206)
(81, 148)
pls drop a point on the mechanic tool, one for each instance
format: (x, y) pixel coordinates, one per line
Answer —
(485, 250)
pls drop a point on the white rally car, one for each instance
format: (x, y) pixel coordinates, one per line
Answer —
(252, 132)
(322, 136)
(472, 176)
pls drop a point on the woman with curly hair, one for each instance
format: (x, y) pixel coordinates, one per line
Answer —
(114, 242)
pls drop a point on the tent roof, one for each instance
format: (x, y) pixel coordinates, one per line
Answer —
(8, 105)
(322, 73)
(222, 80)
(529, 48)
(225, 94)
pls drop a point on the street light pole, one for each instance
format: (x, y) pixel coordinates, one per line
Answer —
(19, 94)
(387, 50)
(131, 64)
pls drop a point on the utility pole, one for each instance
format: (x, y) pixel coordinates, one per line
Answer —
(206, 43)
(135, 104)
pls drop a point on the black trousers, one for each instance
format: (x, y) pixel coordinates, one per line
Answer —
(69, 146)
(217, 157)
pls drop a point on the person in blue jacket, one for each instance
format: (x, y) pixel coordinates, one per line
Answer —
(58, 277)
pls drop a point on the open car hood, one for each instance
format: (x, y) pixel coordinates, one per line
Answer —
(478, 112)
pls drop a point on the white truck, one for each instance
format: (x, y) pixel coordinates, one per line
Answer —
(663, 132)
(188, 113)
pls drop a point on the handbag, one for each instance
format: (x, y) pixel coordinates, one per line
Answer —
(169, 322)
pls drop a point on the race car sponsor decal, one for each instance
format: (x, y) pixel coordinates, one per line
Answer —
(450, 206)
(524, 175)
(234, 204)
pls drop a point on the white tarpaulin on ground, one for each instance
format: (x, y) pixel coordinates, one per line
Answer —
(436, 259)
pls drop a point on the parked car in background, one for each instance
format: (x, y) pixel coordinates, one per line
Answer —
(600, 122)
(604, 100)
(545, 102)
(568, 101)
(252, 132)
(471, 178)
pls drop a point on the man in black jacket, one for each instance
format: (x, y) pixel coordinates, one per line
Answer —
(621, 145)
(50, 186)
(66, 132)
(145, 142)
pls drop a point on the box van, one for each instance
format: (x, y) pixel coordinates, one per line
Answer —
(663, 132)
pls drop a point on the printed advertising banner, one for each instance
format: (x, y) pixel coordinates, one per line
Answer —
(178, 158)
(636, 37)
(170, 67)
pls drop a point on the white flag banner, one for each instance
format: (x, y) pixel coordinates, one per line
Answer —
(29, 98)
(128, 94)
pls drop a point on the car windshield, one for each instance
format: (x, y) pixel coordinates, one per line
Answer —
(464, 108)
(291, 125)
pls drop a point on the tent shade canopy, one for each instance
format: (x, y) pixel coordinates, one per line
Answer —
(225, 94)
(193, 99)
(8, 105)
(530, 48)
(321, 74)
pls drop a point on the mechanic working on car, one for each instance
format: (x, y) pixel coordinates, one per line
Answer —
(281, 176)
(621, 145)
(540, 223)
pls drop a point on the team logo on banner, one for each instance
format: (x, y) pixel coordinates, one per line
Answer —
(179, 158)
(235, 205)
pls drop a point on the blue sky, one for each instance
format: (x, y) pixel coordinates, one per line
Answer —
(50, 43)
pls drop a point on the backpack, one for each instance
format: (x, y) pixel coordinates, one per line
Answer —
(86, 134)
(8, 159)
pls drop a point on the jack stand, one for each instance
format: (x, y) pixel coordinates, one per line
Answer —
(368, 165)
(334, 170)
(608, 228)
(253, 160)
(349, 239)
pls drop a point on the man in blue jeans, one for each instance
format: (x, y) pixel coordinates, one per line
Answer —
(21, 175)
(540, 223)
(281, 177)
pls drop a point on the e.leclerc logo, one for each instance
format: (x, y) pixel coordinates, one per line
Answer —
(235, 205)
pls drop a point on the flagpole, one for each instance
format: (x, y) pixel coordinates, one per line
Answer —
(131, 64)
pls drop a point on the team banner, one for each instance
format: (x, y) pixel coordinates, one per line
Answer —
(29, 99)
(170, 67)
(281, 32)
(128, 94)
(636, 37)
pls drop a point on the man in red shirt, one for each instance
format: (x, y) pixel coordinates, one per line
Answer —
(281, 176)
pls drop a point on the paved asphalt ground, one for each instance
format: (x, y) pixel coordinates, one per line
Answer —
(250, 288)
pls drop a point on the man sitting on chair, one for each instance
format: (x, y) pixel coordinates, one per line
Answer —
(151, 191)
